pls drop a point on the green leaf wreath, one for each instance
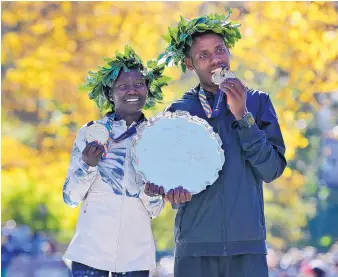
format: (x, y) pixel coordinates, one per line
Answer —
(180, 38)
(103, 79)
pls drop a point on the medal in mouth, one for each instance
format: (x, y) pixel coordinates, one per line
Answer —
(221, 74)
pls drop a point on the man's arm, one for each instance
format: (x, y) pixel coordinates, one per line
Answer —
(264, 147)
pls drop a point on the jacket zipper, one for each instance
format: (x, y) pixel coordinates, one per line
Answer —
(121, 209)
(86, 201)
(86, 206)
(222, 194)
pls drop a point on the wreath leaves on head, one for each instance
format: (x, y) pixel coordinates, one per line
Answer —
(105, 76)
(180, 38)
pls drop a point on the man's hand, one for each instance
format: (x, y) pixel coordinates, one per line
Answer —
(151, 189)
(236, 95)
(92, 153)
(178, 195)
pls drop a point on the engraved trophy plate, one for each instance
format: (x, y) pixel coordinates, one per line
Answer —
(220, 75)
(97, 132)
(177, 149)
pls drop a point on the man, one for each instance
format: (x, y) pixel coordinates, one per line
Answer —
(221, 230)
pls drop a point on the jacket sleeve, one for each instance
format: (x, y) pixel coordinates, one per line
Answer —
(80, 175)
(264, 147)
(153, 204)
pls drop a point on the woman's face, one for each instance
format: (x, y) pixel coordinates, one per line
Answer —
(129, 92)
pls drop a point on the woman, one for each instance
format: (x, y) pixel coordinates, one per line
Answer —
(113, 232)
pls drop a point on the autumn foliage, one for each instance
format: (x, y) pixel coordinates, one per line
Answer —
(288, 49)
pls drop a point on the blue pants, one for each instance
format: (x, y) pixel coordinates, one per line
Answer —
(81, 270)
(248, 265)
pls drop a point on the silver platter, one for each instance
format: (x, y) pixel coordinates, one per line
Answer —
(177, 149)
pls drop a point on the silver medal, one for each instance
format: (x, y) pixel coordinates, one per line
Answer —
(97, 132)
(220, 75)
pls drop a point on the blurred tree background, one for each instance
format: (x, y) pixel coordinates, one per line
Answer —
(288, 49)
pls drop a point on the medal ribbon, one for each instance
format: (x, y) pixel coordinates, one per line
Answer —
(131, 131)
(214, 112)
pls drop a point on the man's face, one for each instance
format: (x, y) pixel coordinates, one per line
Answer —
(207, 53)
(129, 92)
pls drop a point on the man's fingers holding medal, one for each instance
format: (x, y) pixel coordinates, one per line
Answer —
(151, 189)
(234, 86)
(236, 96)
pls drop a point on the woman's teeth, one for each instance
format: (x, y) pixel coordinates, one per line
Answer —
(132, 100)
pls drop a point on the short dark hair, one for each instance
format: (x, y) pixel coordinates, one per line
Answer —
(196, 35)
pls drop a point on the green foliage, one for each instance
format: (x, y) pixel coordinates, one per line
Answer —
(48, 47)
(106, 75)
(180, 38)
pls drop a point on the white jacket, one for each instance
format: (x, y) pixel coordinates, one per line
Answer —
(113, 231)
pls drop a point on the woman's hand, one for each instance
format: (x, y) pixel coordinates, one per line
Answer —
(153, 190)
(92, 153)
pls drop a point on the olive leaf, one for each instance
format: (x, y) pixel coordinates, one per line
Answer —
(179, 38)
(106, 75)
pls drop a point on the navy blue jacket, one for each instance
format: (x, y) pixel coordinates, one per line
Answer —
(227, 218)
